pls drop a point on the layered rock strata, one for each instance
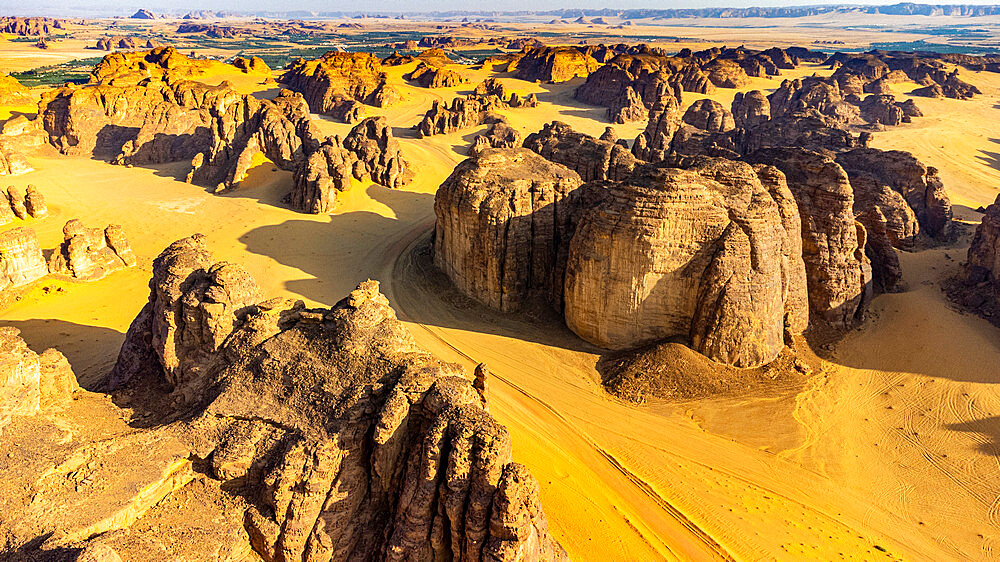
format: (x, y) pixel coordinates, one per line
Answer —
(21, 260)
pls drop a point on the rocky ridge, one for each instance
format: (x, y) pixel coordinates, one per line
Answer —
(281, 406)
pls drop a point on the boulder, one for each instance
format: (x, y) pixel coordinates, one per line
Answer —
(91, 253)
(30, 383)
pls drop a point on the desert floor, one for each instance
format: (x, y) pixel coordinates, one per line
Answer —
(891, 449)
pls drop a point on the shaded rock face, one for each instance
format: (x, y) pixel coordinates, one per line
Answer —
(885, 110)
(552, 64)
(377, 152)
(593, 159)
(838, 273)
(812, 96)
(750, 109)
(91, 253)
(918, 184)
(709, 115)
(653, 144)
(726, 74)
(435, 77)
(504, 220)
(474, 109)
(333, 82)
(984, 252)
(712, 252)
(347, 440)
(194, 305)
(21, 260)
(29, 382)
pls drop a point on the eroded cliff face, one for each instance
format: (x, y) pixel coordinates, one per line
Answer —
(838, 273)
(504, 221)
(706, 253)
(320, 433)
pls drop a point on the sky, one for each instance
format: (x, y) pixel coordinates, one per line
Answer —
(127, 7)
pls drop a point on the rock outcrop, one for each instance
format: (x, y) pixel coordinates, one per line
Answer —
(593, 159)
(552, 64)
(750, 109)
(918, 184)
(224, 134)
(13, 92)
(474, 109)
(499, 135)
(377, 153)
(21, 260)
(714, 250)
(504, 220)
(91, 253)
(838, 273)
(401, 457)
(709, 115)
(430, 76)
(29, 382)
(334, 83)
(984, 252)
(29, 26)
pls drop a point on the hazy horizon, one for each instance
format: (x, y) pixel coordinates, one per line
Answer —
(113, 8)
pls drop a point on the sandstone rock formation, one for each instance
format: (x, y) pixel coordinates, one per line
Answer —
(221, 132)
(91, 253)
(499, 135)
(709, 115)
(252, 64)
(918, 184)
(30, 382)
(474, 109)
(21, 260)
(838, 273)
(29, 26)
(504, 220)
(12, 162)
(377, 152)
(333, 83)
(983, 265)
(751, 108)
(713, 249)
(13, 93)
(117, 42)
(593, 159)
(435, 77)
(552, 64)
(420, 469)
